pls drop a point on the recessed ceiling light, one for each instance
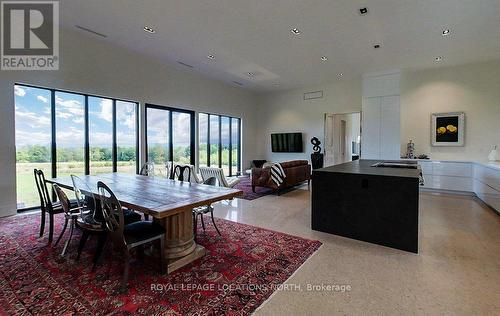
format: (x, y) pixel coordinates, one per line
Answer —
(324, 58)
(439, 58)
(295, 31)
(363, 11)
(149, 29)
(211, 56)
(251, 74)
(446, 32)
(340, 75)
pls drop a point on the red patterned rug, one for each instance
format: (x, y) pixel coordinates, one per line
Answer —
(240, 271)
(245, 185)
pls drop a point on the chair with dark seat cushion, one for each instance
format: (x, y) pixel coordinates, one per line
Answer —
(140, 231)
(126, 237)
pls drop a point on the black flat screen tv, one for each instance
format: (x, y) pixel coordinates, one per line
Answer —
(286, 143)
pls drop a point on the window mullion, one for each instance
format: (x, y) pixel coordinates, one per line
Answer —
(114, 151)
(220, 141)
(170, 138)
(86, 150)
(208, 140)
(230, 146)
(53, 137)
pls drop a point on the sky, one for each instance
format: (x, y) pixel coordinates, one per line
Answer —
(33, 121)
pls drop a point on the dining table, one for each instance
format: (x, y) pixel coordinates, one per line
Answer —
(168, 202)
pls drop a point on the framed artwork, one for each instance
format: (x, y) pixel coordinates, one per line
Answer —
(448, 129)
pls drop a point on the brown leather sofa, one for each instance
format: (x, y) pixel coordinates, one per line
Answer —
(296, 171)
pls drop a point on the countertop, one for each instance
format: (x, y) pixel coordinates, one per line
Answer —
(365, 167)
(489, 164)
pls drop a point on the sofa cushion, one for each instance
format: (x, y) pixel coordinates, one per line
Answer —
(294, 163)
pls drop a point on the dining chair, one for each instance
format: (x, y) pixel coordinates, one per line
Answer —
(202, 210)
(47, 206)
(126, 237)
(85, 210)
(148, 169)
(91, 219)
(182, 173)
(81, 217)
(208, 172)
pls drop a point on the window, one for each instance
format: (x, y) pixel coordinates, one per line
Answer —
(219, 142)
(66, 133)
(169, 135)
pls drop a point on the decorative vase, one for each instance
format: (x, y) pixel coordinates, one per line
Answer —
(494, 156)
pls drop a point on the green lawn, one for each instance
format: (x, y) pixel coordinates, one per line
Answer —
(27, 194)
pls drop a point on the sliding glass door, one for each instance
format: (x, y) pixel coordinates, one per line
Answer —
(169, 135)
(66, 133)
(219, 142)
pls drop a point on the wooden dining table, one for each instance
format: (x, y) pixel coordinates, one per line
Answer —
(169, 202)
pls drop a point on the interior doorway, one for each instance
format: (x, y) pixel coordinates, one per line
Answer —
(342, 137)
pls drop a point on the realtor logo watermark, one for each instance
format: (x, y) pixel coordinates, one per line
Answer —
(30, 35)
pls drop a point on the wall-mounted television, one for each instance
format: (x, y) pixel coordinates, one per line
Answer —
(286, 143)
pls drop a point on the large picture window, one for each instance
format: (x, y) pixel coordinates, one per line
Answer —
(66, 133)
(219, 142)
(169, 135)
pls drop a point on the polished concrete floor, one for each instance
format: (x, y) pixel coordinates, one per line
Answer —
(457, 271)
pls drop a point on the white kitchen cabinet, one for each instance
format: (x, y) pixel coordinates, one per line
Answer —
(390, 147)
(487, 176)
(381, 128)
(457, 169)
(370, 135)
(444, 175)
(470, 177)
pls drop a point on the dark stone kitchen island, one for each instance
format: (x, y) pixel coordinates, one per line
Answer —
(377, 204)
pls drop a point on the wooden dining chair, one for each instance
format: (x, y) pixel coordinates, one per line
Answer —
(126, 237)
(182, 173)
(202, 210)
(47, 206)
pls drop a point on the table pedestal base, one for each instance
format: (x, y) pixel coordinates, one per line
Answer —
(174, 264)
(180, 246)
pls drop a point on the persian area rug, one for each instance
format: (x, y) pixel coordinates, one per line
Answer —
(241, 269)
(245, 185)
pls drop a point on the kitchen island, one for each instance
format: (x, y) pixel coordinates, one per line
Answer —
(368, 200)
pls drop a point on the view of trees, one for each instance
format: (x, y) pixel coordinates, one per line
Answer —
(38, 153)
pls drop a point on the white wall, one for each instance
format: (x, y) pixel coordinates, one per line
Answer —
(96, 67)
(473, 89)
(287, 111)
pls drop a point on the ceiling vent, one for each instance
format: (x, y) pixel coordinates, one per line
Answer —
(90, 31)
(186, 65)
(313, 95)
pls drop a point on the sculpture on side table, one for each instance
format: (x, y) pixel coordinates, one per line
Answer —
(317, 156)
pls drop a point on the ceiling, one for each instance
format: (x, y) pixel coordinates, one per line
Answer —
(254, 35)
